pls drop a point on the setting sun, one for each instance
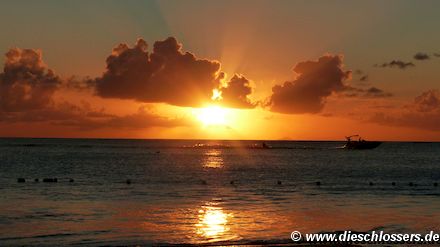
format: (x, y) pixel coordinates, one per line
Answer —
(212, 115)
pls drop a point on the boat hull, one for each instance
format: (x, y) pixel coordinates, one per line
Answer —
(362, 145)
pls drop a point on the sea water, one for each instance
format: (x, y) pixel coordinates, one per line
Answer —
(128, 192)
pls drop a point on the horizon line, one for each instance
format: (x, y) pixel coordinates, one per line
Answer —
(203, 139)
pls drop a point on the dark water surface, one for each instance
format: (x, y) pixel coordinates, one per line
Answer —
(216, 191)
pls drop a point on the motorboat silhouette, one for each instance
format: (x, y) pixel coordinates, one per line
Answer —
(360, 143)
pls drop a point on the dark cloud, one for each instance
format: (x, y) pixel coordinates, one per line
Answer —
(27, 88)
(316, 81)
(167, 75)
(77, 83)
(359, 72)
(26, 82)
(375, 92)
(86, 118)
(428, 101)
(372, 92)
(421, 56)
(422, 113)
(90, 120)
(53, 113)
(236, 93)
(396, 64)
(364, 78)
(144, 119)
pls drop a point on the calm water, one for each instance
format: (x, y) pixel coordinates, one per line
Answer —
(181, 194)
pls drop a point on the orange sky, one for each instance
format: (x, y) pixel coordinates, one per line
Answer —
(283, 70)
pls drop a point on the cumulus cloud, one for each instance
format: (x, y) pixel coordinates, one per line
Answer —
(422, 113)
(27, 88)
(26, 82)
(167, 75)
(421, 56)
(315, 81)
(236, 93)
(396, 64)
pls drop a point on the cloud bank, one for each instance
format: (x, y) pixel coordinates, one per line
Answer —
(27, 89)
(422, 113)
(168, 75)
(372, 92)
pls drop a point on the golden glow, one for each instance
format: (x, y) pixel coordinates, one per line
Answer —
(212, 221)
(213, 158)
(213, 115)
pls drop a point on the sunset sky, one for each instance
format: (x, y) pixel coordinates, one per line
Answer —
(282, 70)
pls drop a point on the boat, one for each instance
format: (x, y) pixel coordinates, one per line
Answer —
(360, 143)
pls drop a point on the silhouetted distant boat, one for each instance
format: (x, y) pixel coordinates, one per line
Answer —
(360, 143)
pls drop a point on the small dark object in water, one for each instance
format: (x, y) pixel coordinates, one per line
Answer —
(204, 182)
(21, 180)
(410, 184)
(360, 143)
(128, 181)
(393, 184)
(436, 184)
(71, 180)
(36, 180)
(50, 180)
(318, 183)
(371, 183)
(232, 182)
(158, 152)
(279, 182)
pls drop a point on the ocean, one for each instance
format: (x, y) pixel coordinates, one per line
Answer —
(154, 192)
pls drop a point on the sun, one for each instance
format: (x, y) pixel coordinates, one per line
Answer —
(212, 115)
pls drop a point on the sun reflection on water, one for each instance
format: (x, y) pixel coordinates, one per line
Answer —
(212, 222)
(213, 158)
